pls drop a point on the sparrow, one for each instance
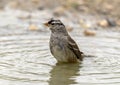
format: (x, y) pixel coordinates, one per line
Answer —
(62, 46)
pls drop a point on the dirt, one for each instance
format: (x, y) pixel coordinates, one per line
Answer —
(99, 7)
(86, 13)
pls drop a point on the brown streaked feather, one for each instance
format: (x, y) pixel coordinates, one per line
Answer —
(73, 46)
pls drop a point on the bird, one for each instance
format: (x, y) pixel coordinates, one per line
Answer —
(62, 46)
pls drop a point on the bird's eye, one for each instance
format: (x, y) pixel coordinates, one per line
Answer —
(60, 24)
(52, 23)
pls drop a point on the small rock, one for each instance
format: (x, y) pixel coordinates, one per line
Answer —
(107, 22)
(59, 11)
(111, 22)
(83, 24)
(89, 32)
(33, 27)
(103, 23)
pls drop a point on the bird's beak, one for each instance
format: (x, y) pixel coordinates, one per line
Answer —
(46, 24)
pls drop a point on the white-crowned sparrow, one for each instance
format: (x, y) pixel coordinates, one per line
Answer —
(62, 46)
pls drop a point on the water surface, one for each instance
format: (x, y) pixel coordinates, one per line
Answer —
(25, 58)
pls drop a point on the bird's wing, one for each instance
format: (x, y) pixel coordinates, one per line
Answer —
(74, 48)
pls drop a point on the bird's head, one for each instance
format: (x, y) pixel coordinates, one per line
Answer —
(55, 25)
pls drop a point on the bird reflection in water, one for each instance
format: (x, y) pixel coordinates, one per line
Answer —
(63, 74)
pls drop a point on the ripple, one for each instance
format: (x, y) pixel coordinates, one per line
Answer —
(25, 57)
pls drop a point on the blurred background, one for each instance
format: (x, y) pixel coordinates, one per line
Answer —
(86, 13)
(25, 58)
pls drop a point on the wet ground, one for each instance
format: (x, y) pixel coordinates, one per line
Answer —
(25, 57)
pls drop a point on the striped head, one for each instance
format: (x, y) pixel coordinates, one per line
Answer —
(55, 25)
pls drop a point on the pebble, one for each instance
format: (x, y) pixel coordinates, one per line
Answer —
(89, 32)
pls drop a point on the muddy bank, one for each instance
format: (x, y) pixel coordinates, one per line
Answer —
(99, 7)
(82, 14)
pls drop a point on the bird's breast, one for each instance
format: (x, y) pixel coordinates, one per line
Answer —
(59, 49)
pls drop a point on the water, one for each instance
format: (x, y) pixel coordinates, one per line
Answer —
(25, 58)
